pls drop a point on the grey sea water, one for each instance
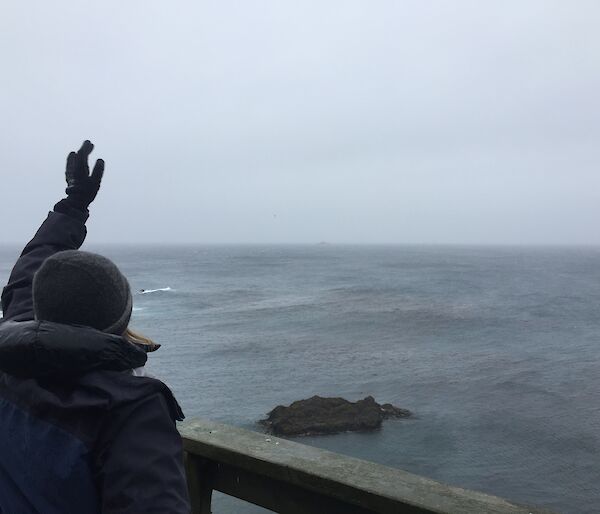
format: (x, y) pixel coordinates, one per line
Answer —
(495, 349)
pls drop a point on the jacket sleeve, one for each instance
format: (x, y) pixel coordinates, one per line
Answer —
(140, 469)
(63, 229)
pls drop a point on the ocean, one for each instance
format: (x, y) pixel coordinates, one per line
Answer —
(496, 350)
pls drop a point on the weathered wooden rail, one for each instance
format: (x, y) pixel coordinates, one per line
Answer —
(293, 478)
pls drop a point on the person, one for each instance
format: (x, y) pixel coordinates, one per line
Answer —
(80, 432)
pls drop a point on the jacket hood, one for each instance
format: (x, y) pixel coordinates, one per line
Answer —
(43, 349)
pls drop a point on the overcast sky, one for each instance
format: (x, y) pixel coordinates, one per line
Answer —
(305, 121)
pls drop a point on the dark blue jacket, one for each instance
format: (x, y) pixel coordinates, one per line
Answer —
(78, 432)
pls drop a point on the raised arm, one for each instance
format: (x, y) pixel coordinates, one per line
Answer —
(63, 229)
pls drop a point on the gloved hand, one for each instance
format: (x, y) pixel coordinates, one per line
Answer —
(82, 187)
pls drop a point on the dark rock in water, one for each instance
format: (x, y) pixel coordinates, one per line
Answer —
(389, 411)
(319, 415)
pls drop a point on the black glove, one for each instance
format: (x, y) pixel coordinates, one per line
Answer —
(82, 187)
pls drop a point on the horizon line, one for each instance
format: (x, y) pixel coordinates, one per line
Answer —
(324, 243)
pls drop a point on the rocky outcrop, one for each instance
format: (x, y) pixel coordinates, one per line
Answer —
(319, 415)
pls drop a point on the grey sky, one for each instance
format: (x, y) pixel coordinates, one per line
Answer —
(302, 121)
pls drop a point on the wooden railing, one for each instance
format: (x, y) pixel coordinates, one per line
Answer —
(293, 478)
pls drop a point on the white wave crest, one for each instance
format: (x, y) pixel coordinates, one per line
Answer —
(148, 291)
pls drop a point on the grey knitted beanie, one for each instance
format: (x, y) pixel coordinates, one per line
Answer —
(82, 288)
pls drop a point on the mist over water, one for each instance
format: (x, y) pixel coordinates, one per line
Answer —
(495, 349)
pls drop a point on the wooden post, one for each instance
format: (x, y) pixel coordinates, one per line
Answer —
(200, 475)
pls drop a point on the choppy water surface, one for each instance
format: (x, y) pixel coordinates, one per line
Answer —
(496, 350)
